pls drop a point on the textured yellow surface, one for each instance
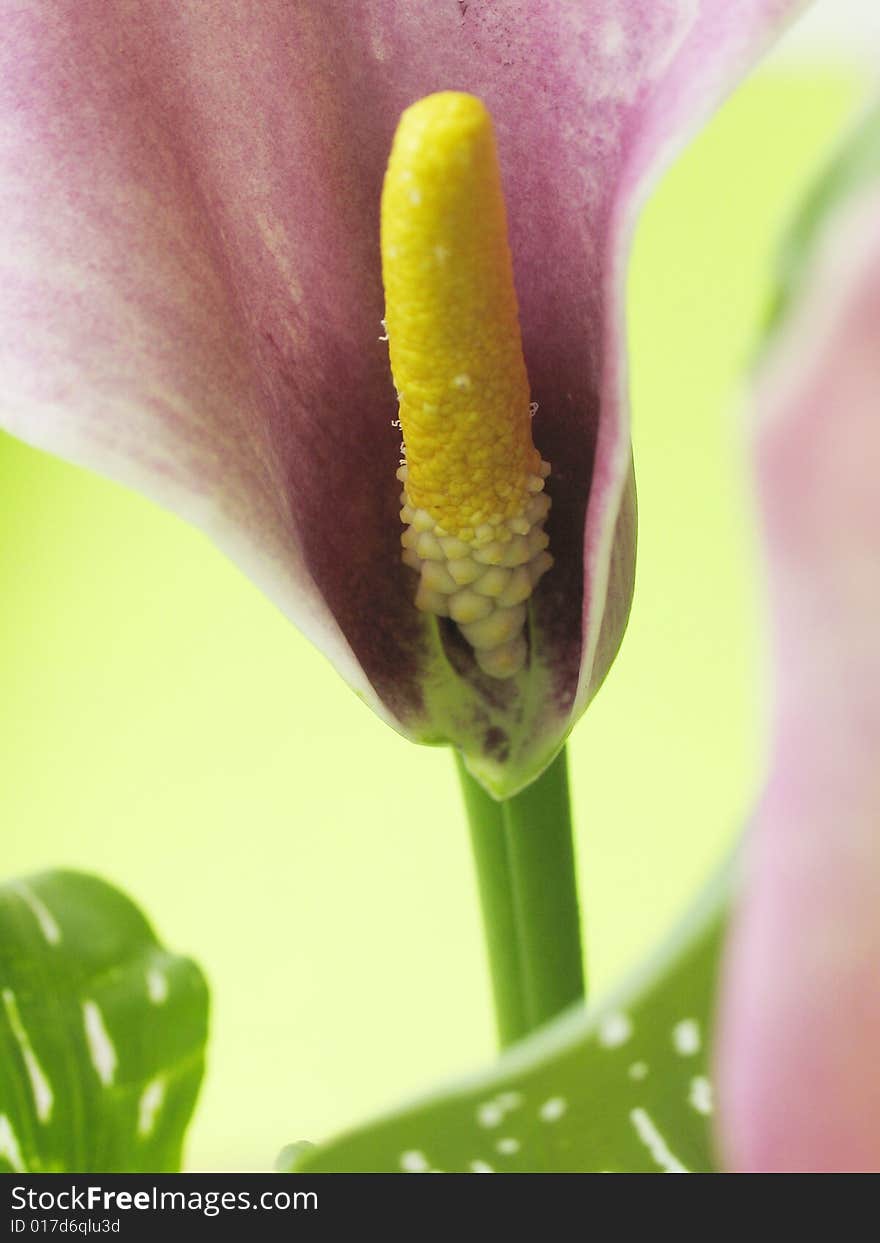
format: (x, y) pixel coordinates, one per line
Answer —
(451, 317)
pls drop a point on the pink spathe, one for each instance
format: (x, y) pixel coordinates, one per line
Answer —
(190, 294)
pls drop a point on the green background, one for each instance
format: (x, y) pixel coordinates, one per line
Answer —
(161, 724)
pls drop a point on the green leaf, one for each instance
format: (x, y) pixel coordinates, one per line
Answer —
(623, 1086)
(102, 1032)
(855, 164)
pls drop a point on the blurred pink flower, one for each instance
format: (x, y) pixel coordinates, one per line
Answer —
(798, 1064)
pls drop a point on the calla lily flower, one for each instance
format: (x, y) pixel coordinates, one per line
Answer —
(191, 295)
(798, 1069)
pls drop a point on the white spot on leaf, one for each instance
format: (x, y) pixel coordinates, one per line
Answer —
(414, 1162)
(614, 1030)
(686, 1037)
(489, 1114)
(508, 1145)
(41, 913)
(40, 1086)
(149, 1105)
(638, 1070)
(101, 1049)
(157, 986)
(700, 1096)
(9, 1149)
(655, 1143)
(480, 1167)
(553, 1109)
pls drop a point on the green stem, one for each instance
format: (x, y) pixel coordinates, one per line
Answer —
(489, 845)
(526, 878)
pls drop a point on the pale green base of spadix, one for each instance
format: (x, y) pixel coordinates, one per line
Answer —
(484, 580)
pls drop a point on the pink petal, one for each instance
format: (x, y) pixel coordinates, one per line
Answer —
(799, 1065)
(190, 294)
